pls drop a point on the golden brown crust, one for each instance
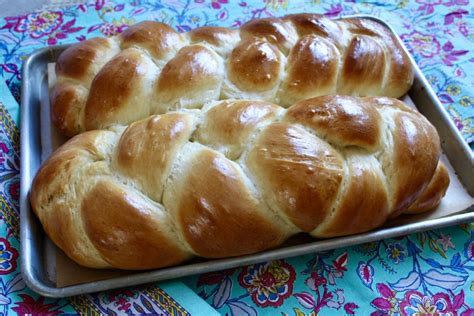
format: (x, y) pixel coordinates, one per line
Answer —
(366, 27)
(364, 202)
(364, 67)
(157, 38)
(135, 239)
(57, 226)
(274, 30)
(400, 77)
(77, 61)
(254, 65)
(300, 173)
(433, 193)
(78, 148)
(416, 152)
(344, 121)
(158, 192)
(228, 125)
(317, 24)
(152, 142)
(216, 210)
(119, 92)
(66, 106)
(56, 194)
(213, 35)
(312, 69)
(193, 76)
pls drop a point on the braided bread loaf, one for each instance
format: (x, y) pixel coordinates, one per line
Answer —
(236, 178)
(151, 69)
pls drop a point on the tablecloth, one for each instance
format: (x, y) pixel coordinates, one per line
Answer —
(425, 273)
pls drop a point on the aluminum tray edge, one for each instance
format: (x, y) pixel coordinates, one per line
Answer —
(27, 220)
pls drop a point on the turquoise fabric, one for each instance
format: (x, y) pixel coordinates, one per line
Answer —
(193, 303)
(427, 272)
(10, 103)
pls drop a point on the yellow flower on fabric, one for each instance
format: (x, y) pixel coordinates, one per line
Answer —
(194, 19)
(466, 101)
(123, 21)
(472, 286)
(453, 89)
(107, 9)
(432, 79)
(464, 125)
(276, 4)
(368, 247)
(396, 252)
(299, 312)
(426, 309)
(402, 4)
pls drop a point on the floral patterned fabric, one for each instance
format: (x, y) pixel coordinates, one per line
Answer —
(431, 273)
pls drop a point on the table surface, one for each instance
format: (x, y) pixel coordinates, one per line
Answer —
(427, 272)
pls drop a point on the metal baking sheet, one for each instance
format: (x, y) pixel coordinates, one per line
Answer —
(35, 246)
